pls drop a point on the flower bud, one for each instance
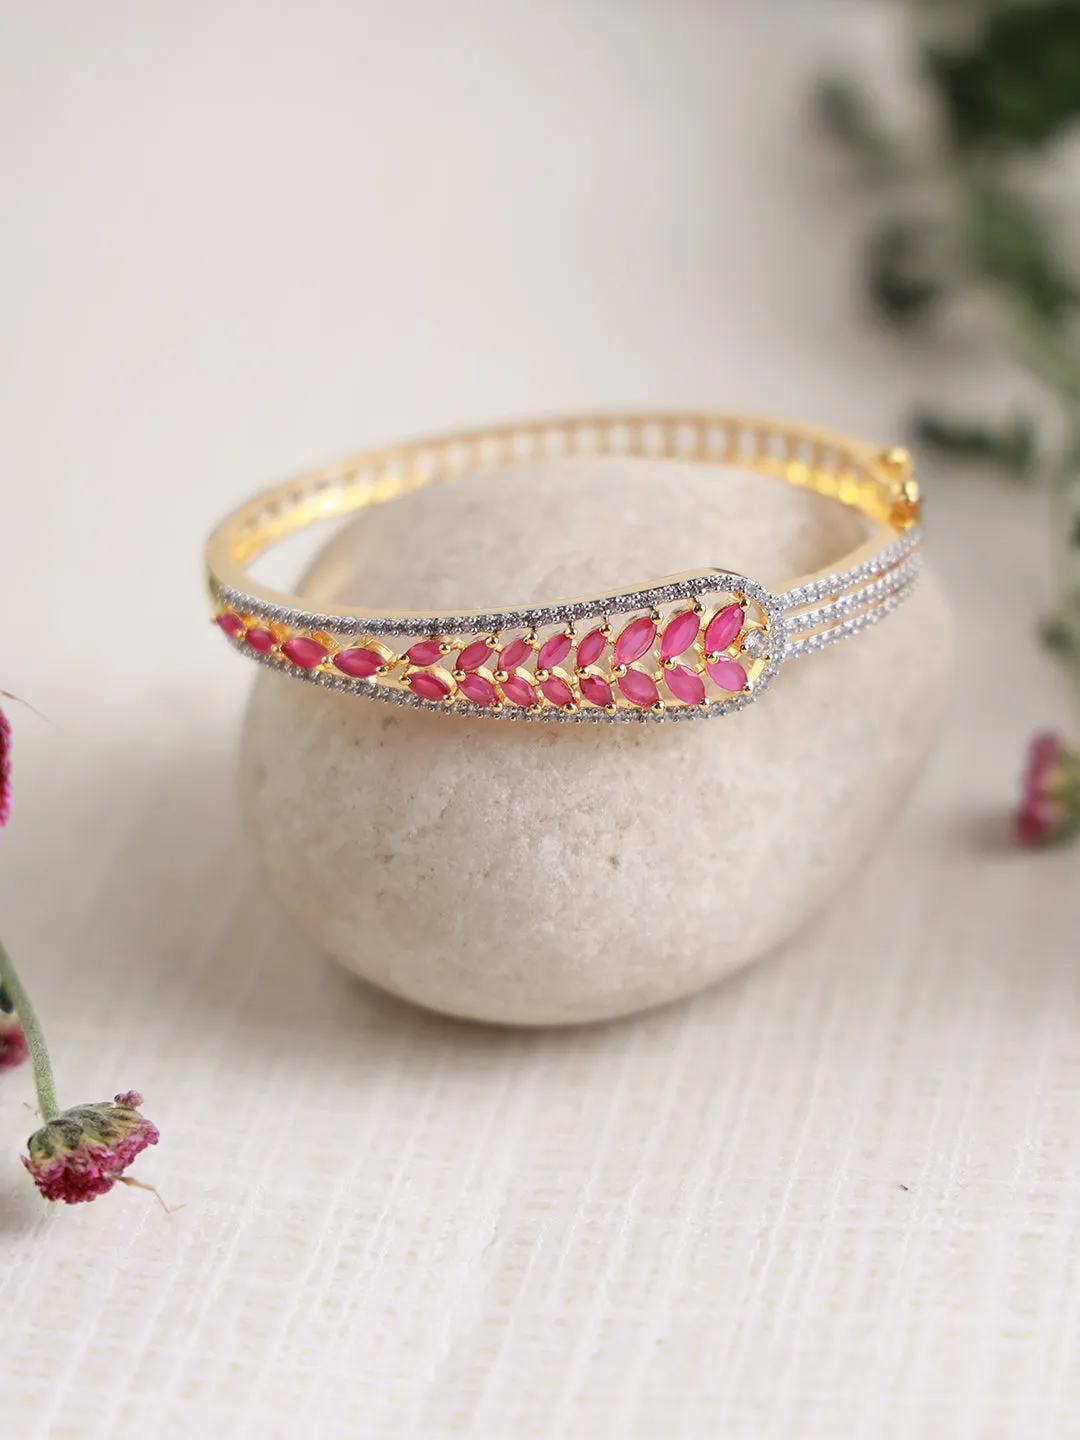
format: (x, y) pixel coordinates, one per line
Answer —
(1050, 801)
(13, 1046)
(82, 1152)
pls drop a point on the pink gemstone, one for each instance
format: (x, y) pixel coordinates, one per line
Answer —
(518, 691)
(428, 687)
(261, 640)
(359, 663)
(553, 651)
(557, 691)
(304, 652)
(635, 640)
(591, 648)
(723, 628)
(680, 633)
(728, 674)
(478, 690)
(514, 654)
(639, 688)
(685, 685)
(474, 655)
(230, 623)
(596, 690)
(424, 652)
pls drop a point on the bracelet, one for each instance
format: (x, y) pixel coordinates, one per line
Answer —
(700, 644)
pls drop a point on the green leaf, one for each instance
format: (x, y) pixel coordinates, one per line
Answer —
(1010, 448)
(900, 273)
(1008, 244)
(1017, 83)
(1058, 637)
(846, 116)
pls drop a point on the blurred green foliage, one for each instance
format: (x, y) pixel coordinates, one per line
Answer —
(962, 212)
(1018, 83)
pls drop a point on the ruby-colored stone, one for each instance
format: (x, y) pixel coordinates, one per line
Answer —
(230, 623)
(304, 652)
(261, 640)
(639, 688)
(679, 634)
(474, 655)
(591, 648)
(723, 628)
(427, 686)
(553, 651)
(424, 652)
(684, 684)
(514, 654)
(518, 690)
(358, 662)
(596, 690)
(728, 674)
(635, 640)
(478, 690)
(557, 691)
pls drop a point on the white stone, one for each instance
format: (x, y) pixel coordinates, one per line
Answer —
(543, 874)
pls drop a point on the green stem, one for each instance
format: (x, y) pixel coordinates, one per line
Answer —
(1065, 517)
(35, 1039)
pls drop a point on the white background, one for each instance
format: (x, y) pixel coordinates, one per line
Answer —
(837, 1197)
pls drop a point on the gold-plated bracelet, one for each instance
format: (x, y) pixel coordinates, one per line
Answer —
(700, 644)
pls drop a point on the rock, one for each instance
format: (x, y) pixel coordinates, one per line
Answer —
(548, 874)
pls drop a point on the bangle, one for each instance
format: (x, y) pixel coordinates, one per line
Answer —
(700, 644)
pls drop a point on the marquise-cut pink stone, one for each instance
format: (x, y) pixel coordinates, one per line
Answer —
(512, 655)
(474, 655)
(685, 685)
(639, 688)
(723, 628)
(557, 691)
(358, 662)
(424, 652)
(596, 690)
(304, 652)
(230, 623)
(261, 640)
(635, 640)
(679, 634)
(591, 648)
(728, 674)
(478, 690)
(553, 651)
(428, 687)
(518, 691)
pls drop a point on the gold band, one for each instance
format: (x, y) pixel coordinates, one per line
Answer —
(409, 656)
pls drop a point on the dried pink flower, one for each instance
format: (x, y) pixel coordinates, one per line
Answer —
(1050, 799)
(5, 770)
(82, 1152)
(13, 1046)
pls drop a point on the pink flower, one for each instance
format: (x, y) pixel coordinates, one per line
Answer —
(1050, 800)
(82, 1152)
(13, 1046)
(5, 770)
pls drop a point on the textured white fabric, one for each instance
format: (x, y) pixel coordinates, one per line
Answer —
(238, 238)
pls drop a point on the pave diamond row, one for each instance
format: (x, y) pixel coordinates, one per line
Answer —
(898, 578)
(529, 617)
(807, 644)
(828, 585)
